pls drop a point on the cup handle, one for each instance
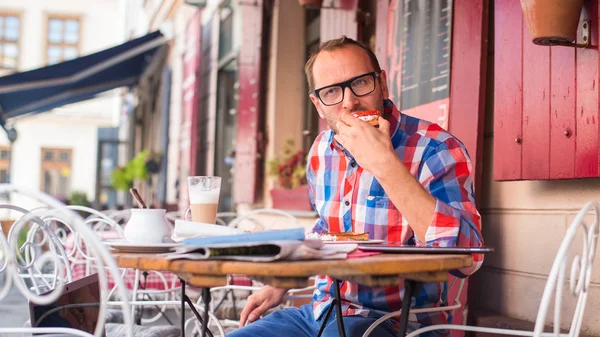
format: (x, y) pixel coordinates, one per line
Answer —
(187, 212)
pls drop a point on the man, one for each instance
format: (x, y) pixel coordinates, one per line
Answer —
(406, 181)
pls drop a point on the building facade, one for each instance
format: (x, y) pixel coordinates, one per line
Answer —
(56, 151)
(238, 94)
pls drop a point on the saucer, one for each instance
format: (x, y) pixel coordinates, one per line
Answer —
(186, 229)
(122, 245)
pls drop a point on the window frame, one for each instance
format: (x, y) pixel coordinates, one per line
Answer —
(55, 164)
(6, 13)
(5, 163)
(62, 17)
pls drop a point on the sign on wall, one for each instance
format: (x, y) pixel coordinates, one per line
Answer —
(419, 59)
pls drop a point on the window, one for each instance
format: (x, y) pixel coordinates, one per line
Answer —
(56, 172)
(4, 164)
(9, 41)
(63, 39)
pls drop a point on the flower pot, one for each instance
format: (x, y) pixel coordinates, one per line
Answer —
(291, 199)
(311, 3)
(552, 22)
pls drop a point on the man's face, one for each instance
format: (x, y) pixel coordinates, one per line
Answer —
(340, 65)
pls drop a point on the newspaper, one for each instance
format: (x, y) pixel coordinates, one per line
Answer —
(265, 251)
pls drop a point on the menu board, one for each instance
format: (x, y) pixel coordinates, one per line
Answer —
(425, 44)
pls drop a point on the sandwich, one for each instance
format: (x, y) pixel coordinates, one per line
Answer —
(369, 116)
(349, 236)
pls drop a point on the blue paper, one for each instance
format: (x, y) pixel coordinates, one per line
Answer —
(275, 235)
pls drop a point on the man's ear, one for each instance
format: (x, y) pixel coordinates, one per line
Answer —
(384, 86)
(315, 101)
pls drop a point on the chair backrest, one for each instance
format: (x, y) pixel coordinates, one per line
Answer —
(579, 275)
(260, 223)
(33, 237)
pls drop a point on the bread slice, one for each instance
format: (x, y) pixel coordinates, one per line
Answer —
(350, 236)
(369, 116)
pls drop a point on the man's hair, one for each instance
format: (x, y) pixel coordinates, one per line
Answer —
(332, 45)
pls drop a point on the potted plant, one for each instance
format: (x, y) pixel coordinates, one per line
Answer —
(140, 167)
(552, 21)
(290, 170)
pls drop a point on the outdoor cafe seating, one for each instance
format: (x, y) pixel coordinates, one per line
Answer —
(56, 244)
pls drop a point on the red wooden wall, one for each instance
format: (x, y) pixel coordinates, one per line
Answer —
(248, 127)
(545, 102)
(189, 142)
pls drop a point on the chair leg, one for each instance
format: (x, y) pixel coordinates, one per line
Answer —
(233, 303)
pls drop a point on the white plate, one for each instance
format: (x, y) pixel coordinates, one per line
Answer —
(362, 242)
(125, 246)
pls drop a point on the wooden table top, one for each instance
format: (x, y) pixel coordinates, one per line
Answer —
(379, 270)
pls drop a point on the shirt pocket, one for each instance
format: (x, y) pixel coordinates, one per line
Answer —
(383, 218)
(377, 210)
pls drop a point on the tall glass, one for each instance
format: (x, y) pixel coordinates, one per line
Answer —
(204, 198)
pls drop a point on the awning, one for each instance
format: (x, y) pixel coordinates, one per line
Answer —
(78, 79)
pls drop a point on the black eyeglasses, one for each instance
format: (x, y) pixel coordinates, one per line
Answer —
(361, 85)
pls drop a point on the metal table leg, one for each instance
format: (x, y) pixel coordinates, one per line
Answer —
(183, 296)
(206, 300)
(337, 302)
(204, 321)
(410, 288)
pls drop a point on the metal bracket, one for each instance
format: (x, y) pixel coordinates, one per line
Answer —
(585, 37)
(585, 32)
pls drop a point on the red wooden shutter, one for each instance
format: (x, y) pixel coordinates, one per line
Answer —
(381, 33)
(468, 78)
(188, 144)
(248, 127)
(546, 102)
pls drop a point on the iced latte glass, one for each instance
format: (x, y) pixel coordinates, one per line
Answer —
(204, 198)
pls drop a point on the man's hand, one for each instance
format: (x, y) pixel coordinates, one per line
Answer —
(259, 302)
(371, 147)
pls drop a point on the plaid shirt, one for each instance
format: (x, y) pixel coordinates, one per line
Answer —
(349, 198)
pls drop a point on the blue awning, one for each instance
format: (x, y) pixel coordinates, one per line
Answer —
(78, 79)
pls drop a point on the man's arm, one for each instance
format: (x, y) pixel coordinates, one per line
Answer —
(312, 160)
(412, 200)
(439, 205)
(446, 215)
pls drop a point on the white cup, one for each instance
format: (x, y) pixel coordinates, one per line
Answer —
(204, 198)
(148, 226)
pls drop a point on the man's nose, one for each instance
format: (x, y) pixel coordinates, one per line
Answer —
(350, 100)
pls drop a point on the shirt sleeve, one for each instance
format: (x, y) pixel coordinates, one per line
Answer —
(320, 225)
(446, 175)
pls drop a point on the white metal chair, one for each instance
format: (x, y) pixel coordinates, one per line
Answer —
(253, 220)
(456, 304)
(254, 217)
(162, 300)
(20, 262)
(578, 282)
(79, 256)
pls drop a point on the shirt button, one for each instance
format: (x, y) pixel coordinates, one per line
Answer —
(353, 164)
(347, 203)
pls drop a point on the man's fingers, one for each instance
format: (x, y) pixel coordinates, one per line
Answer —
(384, 126)
(256, 313)
(342, 127)
(340, 139)
(347, 118)
(248, 308)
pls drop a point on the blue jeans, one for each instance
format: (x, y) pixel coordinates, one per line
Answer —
(301, 322)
